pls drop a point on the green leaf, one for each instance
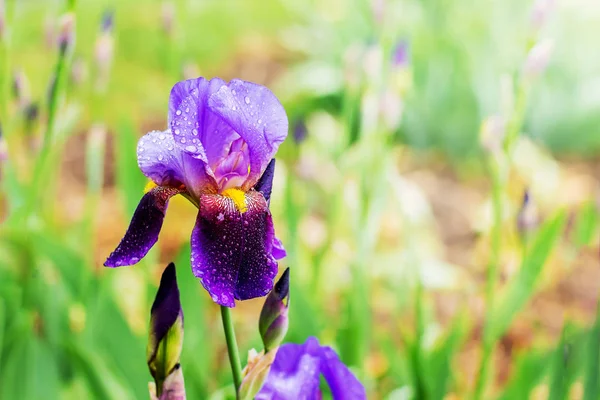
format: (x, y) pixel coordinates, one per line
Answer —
(567, 360)
(528, 372)
(592, 361)
(522, 286)
(586, 224)
(130, 180)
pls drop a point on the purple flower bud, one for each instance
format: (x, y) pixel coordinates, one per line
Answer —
(538, 59)
(273, 322)
(300, 131)
(400, 57)
(166, 335)
(527, 218)
(66, 35)
(2, 19)
(107, 23)
(168, 17)
(21, 90)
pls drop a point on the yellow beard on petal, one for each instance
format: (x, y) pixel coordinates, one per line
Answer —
(149, 186)
(239, 198)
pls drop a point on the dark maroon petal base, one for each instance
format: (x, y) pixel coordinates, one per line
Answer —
(144, 228)
(232, 250)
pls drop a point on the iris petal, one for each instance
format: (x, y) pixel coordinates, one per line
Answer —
(144, 228)
(163, 162)
(231, 250)
(296, 371)
(257, 116)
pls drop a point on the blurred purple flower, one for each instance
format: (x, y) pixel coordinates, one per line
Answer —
(296, 372)
(108, 18)
(300, 131)
(218, 153)
(400, 56)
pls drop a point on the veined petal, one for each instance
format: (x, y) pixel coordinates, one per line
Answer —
(163, 162)
(257, 116)
(294, 373)
(144, 228)
(342, 383)
(231, 249)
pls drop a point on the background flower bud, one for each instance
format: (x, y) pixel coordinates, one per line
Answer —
(66, 36)
(166, 331)
(273, 322)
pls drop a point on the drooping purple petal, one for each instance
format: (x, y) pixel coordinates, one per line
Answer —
(342, 383)
(278, 249)
(296, 371)
(265, 183)
(163, 162)
(144, 228)
(231, 250)
(257, 116)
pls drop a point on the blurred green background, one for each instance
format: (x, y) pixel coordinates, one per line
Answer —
(416, 129)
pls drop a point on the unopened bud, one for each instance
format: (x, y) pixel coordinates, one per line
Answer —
(255, 373)
(21, 90)
(492, 134)
(166, 335)
(108, 18)
(539, 13)
(538, 59)
(527, 219)
(273, 322)
(168, 17)
(66, 35)
(300, 131)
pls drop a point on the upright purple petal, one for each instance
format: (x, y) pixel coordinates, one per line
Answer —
(163, 162)
(231, 249)
(295, 373)
(144, 228)
(257, 116)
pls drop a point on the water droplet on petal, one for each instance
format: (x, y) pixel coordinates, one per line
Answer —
(233, 107)
(191, 149)
(247, 100)
(177, 131)
(187, 109)
(233, 91)
(178, 112)
(160, 157)
(182, 140)
(195, 131)
(161, 136)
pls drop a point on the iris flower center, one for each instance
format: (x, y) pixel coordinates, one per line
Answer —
(238, 196)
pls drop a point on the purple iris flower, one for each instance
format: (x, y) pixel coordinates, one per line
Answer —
(218, 153)
(296, 372)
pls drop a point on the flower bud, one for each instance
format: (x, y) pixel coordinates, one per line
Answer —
(107, 23)
(538, 59)
(166, 337)
(491, 134)
(300, 131)
(255, 373)
(528, 218)
(66, 36)
(273, 322)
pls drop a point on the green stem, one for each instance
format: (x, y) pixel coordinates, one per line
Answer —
(492, 278)
(232, 347)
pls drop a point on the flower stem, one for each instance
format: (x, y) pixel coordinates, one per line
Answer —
(232, 347)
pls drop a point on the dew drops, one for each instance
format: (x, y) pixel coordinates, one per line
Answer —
(247, 100)
(259, 121)
(160, 157)
(182, 140)
(187, 109)
(177, 131)
(195, 131)
(191, 149)
(161, 136)
(178, 112)
(233, 107)
(233, 91)
(140, 149)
